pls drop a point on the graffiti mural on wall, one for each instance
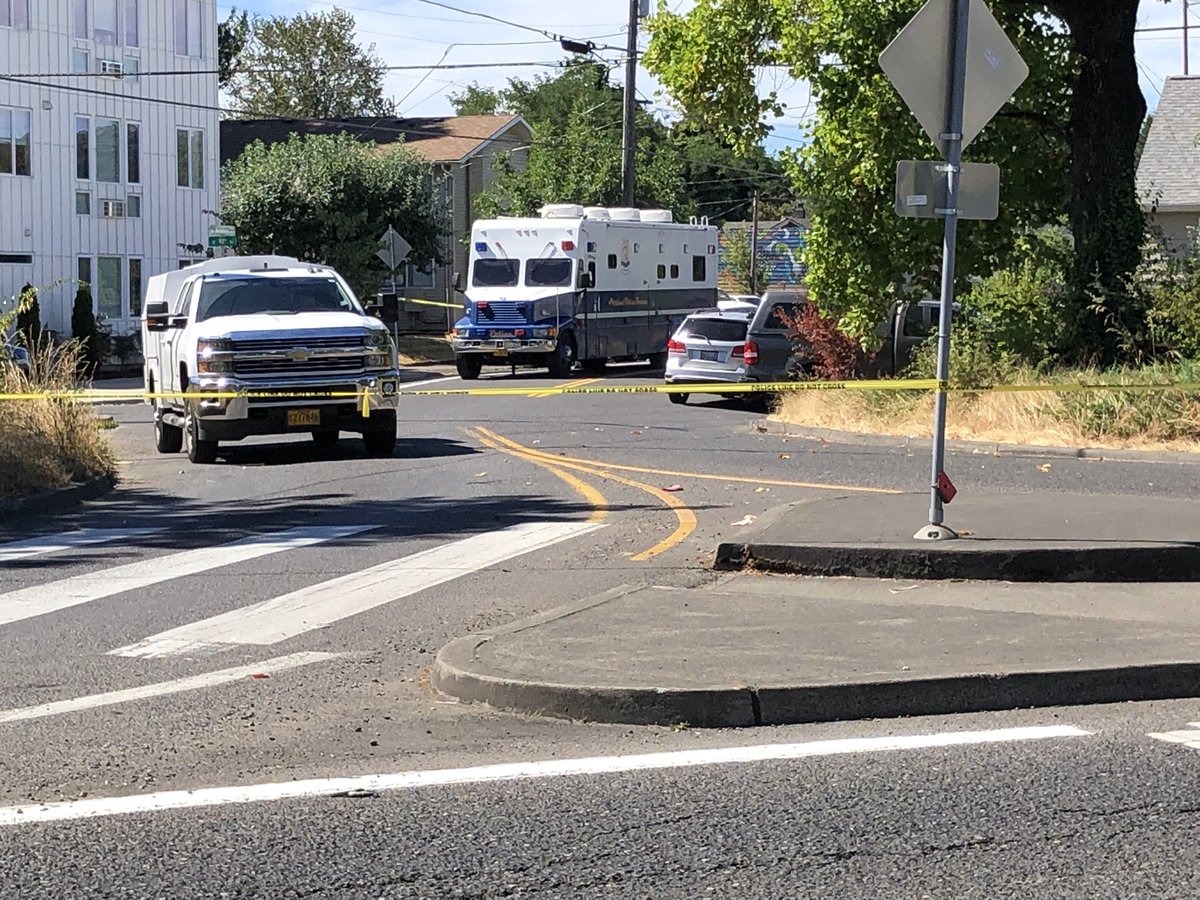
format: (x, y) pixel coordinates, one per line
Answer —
(780, 246)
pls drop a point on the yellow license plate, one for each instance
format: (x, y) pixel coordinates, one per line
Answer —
(299, 417)
(501, 351)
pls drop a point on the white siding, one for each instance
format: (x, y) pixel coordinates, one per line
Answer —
(37, 213)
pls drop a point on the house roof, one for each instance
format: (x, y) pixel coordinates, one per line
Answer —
(441, 139)
(1169, 172)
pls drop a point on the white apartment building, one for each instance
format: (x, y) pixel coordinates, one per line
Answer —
(107, 175)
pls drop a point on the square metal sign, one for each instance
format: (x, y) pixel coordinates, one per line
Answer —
(917, 62)
(921, 190)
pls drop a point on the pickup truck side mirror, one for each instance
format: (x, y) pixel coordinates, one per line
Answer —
(157, 315)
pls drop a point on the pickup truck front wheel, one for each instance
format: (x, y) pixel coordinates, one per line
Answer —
(380, 441)
(167, 438)
(199, 451)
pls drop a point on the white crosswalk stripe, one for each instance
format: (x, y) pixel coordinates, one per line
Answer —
(68, 540)
(39, 600)
(320, 605)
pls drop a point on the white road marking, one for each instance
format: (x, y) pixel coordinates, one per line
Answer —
(600, 765)
(162, 689)
(1189, 739)
(41, 599)
(405, 385)
(68, 540)
(321, 605)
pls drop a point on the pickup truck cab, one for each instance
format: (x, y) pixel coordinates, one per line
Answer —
(257, 345)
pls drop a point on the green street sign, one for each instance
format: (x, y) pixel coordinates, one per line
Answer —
(222, 236)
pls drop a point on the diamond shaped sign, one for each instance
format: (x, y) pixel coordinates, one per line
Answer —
(917, 63)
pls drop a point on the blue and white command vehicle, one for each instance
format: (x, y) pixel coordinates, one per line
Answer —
(584, 285)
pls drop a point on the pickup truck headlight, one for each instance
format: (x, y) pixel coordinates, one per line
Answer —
(208, 366)
(378, 361)
(377, 339)
(209, 346)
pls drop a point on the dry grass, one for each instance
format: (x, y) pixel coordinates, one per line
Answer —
(48, 443)
(423, 351)
(1117, 420)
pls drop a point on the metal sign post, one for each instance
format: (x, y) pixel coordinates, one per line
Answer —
(953, 99)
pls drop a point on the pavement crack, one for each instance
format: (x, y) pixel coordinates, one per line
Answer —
(756, 706)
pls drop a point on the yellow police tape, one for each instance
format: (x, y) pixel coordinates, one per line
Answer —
(102, 395)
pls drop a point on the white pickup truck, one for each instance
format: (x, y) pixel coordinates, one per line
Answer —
(253, 345)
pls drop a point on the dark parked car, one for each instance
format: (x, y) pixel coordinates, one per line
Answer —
(14, 355)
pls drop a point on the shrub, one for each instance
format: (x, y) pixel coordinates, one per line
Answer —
(83, 329)
(1171, 286)
(822, 350)
(47, 443)
(29, 316)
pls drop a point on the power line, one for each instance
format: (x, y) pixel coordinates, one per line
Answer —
(270, 71)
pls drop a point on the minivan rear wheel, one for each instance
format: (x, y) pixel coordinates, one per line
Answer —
(678, 398)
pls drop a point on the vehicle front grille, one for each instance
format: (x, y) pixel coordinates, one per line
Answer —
(309, 342)
(307, 396)
(341, 365)
(504, 312)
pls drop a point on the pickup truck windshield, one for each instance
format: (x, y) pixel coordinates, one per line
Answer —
(547, 272)
(495, 273)
(275, 296)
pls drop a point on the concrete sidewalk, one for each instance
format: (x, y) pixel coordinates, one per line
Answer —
(771, 649)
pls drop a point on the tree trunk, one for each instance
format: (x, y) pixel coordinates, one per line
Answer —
(1106, 219)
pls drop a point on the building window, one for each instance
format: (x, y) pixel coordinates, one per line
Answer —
(81, 61)
(131, 68)
(83, 203)
(415, 278)
(133, 164)
(80, 18)
(104, 21)
(135, 288)
(133, 206)
(14, 14)
(108, 150)
(16, 259)
(699, 268)
(83, 131)
(14, 140)
(189, 145)
(131, 23)
(189, 24)
(109, 286)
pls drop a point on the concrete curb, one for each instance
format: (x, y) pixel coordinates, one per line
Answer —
(59, 500)
(1123, 563)
(1029, 451)
(745, 706)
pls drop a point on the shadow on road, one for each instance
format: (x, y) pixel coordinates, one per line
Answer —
(295, 452)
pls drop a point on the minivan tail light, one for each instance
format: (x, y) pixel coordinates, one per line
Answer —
(749, 353)
(674, 346)
(738, 351)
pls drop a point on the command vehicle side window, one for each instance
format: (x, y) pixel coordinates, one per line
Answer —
(699, 268)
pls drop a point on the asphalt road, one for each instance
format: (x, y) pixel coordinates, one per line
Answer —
(128, 664)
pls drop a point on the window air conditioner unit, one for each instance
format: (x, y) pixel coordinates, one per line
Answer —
(112, 209)
(111, 67)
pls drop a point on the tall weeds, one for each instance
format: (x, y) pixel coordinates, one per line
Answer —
(47, 443)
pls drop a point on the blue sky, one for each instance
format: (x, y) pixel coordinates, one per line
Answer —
(413, 33)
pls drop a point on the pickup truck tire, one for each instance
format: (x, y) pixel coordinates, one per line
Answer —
(380, 442)
(562, 360)
(468, 367)
(325, 441)
(167, 438)
(199, 451)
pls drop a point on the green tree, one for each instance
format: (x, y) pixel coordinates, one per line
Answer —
(329, 198)
(309, 67)
(1066, 142)
(575, 154)
(232, 35)
(83, 328)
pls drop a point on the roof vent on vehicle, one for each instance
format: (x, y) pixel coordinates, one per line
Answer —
(599, 213)
(657, 215)
(561, 211)
(625, 214)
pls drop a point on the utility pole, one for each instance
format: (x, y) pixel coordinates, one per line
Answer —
(628, 136)
(1186, 4)
(753, 285)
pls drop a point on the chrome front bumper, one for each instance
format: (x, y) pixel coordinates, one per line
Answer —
(377, 391)
(504, 346)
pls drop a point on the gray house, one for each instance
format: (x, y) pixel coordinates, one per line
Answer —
(1168, 176)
